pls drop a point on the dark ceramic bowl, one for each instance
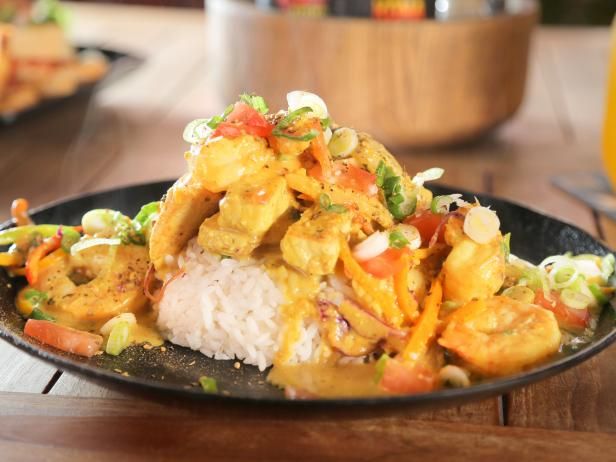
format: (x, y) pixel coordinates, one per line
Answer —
(177, 369)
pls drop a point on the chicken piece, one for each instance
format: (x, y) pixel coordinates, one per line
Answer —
(313, 243)
(286, 147)
(221, 162)
(369, 153)
(253, 204)
(225, 241)
(186, 205)
(471, 270)
(369, 207)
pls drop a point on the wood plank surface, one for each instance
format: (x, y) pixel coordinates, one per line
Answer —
(75, 428)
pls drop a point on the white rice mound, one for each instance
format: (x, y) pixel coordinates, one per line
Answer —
(228, 309)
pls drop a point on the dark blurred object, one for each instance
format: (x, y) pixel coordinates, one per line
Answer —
(578, 12)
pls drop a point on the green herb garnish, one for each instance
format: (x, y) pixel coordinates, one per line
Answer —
(40, 315)
(507, 245)
(312, 134)
(326, 123)
(36, 297)
(208, 384)
(400, 203)
(326, 204)
(256, 102)
(379, 368)
(286, 121)
(397, 240)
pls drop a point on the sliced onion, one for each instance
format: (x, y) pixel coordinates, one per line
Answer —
(589, 268)
(374, 245)
(298, 99)
(520, 293)
(411, 234)
(93, 242)
(575, 300)
(454, 376)
(441, 204)
(428, 175)
(569, 271)
(344, 141)
(481, 224)
(124, 317)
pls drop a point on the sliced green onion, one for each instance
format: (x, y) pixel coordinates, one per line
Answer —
(36, 297)
(562, 276)
(145, 218)
(119, 338)
(124, 317)
(192, 132)
(397, 240)
(344, 141)
(324, 201)
(93, 242)
(575, 300)
(441, 204)
(596, 291)
(256, 102)
(69, 238)
(286, 121)
(410, 234)
(520, 293)
(208, 384)
(607, 266)
(379, 368)
(312, 134)
(326, 123)
(507, 246)
(337, 208)
(40, 315)
(12, 235)
(298, 99)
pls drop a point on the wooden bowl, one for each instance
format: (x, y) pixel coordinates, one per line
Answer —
(425, 83)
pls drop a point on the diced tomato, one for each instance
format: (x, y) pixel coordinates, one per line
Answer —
(64, 338)
(386, 264)
(568, 318)
(349, 176)
(427, 223)
(399, 377)
(243, 119)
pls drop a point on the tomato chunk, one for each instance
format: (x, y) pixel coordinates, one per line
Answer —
(350, 177)
(64, 338)
(386, 264)
(427, 223)
(402, 378)
(243, 119)
(568, 318)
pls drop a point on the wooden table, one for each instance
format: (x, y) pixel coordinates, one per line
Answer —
(132, 133)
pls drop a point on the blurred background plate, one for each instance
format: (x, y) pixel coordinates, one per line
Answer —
(120, 64)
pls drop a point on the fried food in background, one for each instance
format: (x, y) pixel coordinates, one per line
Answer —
(37, 61)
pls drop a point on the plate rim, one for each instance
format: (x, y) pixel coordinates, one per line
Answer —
(80, 366)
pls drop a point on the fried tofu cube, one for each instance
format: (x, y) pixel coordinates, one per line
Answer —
(313, 243)
(224, 241)
(220, 163)
(253, 204)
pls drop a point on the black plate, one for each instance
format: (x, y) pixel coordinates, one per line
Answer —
(177, 369)
(119, 65)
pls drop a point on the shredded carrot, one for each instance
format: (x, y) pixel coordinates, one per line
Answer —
(425, 328)
(320, 152)
(19, 212)
(406, 301)
(381, 303)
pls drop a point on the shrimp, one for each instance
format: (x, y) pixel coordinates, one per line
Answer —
(471, 270)
(94, 285)
(503, 336)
